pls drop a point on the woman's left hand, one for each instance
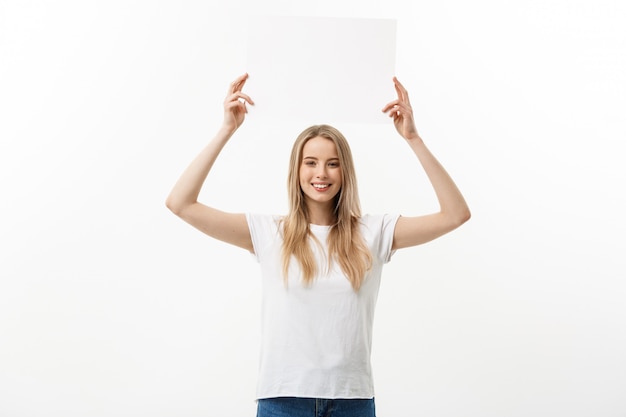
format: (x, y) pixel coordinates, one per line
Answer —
(402, 112)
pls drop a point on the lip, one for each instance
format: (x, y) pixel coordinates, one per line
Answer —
(321, 190)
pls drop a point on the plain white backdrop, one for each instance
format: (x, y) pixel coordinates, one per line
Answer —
(112, 306)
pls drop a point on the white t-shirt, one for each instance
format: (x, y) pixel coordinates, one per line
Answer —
(317, 339)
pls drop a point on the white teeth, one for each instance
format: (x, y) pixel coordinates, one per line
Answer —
(320, 186)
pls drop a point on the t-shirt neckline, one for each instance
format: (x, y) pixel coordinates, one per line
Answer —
(319, 227)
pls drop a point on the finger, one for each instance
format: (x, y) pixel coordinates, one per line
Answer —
(238, 96)
(398, 84)
(400, 108)
(236, 106)
(245, 97)
(400, 93)
(400, 111)
(233, 105)
(400, 89)
(389, 105)
(238, 83)
(234, 99)
(394, 112)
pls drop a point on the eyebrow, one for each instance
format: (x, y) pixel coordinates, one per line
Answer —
(313, 157)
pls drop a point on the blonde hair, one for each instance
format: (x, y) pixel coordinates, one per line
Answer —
(346, 245)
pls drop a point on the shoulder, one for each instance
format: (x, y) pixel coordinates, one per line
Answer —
(375, 226)
(264, 217)
(378, 221)
(265, 232)
(263, 223)
(378, 231)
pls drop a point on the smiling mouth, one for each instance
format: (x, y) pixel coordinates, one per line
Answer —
(320, 186)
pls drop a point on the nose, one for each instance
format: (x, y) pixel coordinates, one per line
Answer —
(321, 171)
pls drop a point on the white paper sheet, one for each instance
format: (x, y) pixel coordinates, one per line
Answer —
(321, 70)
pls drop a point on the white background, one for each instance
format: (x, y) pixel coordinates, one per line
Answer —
(112, 306)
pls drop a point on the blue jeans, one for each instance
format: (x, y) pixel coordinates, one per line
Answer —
(315, 407)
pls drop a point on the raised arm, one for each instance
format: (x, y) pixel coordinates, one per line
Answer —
(453, 210)
(183, 199)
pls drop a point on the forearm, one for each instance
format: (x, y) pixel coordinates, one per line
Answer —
(186, 190)
(451, 201)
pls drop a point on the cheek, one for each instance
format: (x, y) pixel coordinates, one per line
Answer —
(302, 180)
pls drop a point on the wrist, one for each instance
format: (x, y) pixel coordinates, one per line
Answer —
(414, 137)
(227, 130)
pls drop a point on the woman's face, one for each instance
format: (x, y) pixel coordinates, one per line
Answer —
(320, 172)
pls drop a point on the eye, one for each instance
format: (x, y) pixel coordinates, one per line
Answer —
(333, 164)
(309, 163)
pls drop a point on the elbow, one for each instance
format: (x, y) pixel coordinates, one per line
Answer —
(463, 216)
(174, 206)
(467, 215)
(458, 218)
(170, 205)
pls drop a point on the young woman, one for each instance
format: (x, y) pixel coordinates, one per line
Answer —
(320, 263)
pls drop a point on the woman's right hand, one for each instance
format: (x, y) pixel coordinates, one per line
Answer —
(235, 104)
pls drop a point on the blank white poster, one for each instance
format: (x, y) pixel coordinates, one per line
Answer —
(321, 70)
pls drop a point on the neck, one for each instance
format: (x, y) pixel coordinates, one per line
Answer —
(321, 214)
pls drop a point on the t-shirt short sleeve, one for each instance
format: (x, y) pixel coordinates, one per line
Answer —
(378, 230)
(264, 233)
